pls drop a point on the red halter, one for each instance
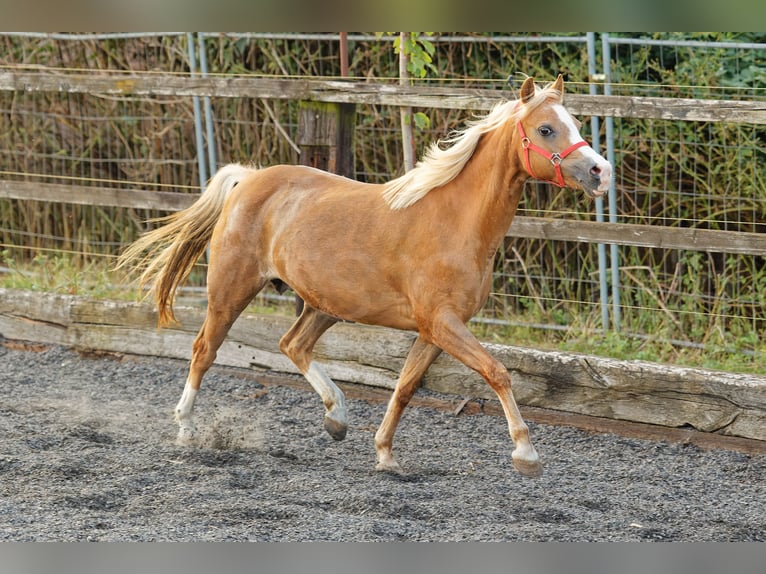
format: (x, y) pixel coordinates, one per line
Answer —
(555, 158)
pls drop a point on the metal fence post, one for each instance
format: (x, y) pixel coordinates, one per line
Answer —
(191, 46)
(595, 124)
(614, 253)
(209, 131)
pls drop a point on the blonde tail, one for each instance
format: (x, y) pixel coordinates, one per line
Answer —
(167, 254)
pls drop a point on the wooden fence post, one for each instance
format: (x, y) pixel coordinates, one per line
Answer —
(326, 136)
(326, 140)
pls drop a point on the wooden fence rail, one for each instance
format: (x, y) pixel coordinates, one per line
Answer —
(528, 227)
(361, 92)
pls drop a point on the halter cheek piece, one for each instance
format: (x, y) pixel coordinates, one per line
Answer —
(555, 158)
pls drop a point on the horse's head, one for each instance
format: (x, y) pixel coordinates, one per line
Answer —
(550, 145)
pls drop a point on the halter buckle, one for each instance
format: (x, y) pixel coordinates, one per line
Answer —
(525, 142)
(556, 159)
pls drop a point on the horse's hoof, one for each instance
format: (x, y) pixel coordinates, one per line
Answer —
(335, 429)
(531, 469)
(186, 437)
(390, 466)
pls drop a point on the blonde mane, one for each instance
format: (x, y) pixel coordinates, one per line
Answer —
(440, 165)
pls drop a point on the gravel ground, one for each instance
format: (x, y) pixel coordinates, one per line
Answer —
(87, 453)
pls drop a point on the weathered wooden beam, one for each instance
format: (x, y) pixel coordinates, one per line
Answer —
(686, 109)
(87, 195)
(712, 401)
(710, 240)
(361, 92)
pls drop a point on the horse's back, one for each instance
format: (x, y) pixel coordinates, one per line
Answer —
(332, 239)
(291, 195)
(298, 179)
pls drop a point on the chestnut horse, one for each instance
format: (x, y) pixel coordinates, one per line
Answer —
(415, 253)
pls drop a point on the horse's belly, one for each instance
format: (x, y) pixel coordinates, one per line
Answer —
(361, 303)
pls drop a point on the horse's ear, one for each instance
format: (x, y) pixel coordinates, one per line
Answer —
(527, 90)
(558, 85)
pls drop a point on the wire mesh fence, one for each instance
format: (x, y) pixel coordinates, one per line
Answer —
(702, 175)
(670, 173)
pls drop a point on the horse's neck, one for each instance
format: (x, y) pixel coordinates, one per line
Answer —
(491, 185)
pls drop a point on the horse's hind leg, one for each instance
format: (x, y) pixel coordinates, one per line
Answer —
(420, 357)
(298, 344)
(217, 323)
(227, 298)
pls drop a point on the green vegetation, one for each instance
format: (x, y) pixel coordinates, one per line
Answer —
(60, 273)
(626, 346)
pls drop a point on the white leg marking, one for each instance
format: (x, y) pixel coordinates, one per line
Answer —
(333, 398)
(525, 452)
(335, 420)
(184, 408)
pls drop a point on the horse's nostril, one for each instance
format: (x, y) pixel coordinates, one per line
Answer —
(595, 171)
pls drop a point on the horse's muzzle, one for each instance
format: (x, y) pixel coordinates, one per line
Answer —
(599, 177)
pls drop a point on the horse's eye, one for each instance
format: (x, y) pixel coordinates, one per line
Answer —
(545, 131)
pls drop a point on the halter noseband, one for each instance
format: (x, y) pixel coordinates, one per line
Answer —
(555, 158)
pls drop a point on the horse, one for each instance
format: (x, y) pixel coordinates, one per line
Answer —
(415, 253)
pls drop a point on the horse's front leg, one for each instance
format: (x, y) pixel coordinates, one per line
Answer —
(451, 334)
